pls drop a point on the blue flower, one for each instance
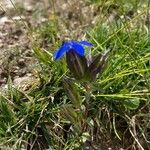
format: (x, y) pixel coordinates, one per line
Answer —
(76, 46)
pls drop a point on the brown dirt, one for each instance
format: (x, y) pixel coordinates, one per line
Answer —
(15, 18)
(15, 48)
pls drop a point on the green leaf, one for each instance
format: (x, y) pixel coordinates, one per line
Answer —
(132, 103)
(70, 114)
(43, 55)
(72, 92)
(7, 116)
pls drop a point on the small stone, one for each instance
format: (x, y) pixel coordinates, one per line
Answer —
(2, 13)
(24, 82)
(2, 81)
(21, 63)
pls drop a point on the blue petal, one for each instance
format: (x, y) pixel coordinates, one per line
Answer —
(78, 48)
(60, 52)
(86, 43)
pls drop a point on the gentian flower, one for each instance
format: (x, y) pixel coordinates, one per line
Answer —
(81, 67)
(76, 46)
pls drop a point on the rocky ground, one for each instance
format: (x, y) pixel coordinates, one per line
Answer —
(15, 52)
(16, 17)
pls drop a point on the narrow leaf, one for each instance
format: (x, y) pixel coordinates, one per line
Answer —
(72, 92)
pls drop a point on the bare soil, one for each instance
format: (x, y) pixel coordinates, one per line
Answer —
(16, 17)
(16, 58)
